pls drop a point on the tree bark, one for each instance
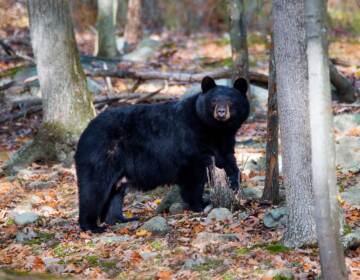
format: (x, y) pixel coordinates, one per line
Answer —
(271, 189)
(326, 210)
(292, 89)
(106, 27)
(67, 103)
(133, 28)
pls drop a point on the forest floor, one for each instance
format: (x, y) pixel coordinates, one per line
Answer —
(38, 207)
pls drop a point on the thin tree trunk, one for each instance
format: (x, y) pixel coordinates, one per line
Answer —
(292, 89)
(106, 27)
(67, 103)
(271, 190)
(133, 28)
(239, 49)
(322, 144)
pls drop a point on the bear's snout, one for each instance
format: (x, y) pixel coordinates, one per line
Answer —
(222, 112)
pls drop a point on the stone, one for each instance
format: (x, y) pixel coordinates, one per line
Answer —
(275, 217)
(285, 274)
(348, 152)
(203, 239)
(53, 266)
(219, 215)
(111, 239)
(144, 51)
(148, 255)
(25, 235)
(208, 208)
(47, 210)
(157, 225)
(351, 240)
(352, 196)
(344, 122)
(253, 193)
(190, 263)
(177, 208)
(25, 218)
(41, 185)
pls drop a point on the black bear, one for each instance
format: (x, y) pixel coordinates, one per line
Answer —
(145, 146)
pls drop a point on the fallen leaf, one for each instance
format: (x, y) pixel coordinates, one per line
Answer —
(163, 275)
(142, 233)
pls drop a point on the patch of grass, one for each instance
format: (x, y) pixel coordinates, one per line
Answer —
(242, 251)
(108, 265)
(223, 41)
(282, 277)
(210, 264)
(92, 260)
(10, 222)
(229, 276)
(42, 237)
(62, 250)
(157, 245)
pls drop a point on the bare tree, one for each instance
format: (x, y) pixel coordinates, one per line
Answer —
(106, 27)
(322, 144)
(67, 103)
(271, 190)
(292, 89)
(133, 28)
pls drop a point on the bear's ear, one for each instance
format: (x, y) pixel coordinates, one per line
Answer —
(207, 84)
(241, 85)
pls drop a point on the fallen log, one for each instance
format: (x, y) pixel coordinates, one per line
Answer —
(255, 78)
(34, 105)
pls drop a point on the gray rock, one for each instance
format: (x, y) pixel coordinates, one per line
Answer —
(190, 263)
(255, 165)
(148, 255)
(176, 208)
(351, 240)
(208, 208)
(285, 274)
(52, 265)
(111, 239)
(25, 218)
(41, 185)
(25, 174)
(203, 239)
(352, 196)
(157, 225)
(258, 178)
(94, 86)
(47, 210)
(253, 193)
(142, 198)
(347, 152)
(145, 50)
(34, 199)
(219, 215)
(275, 217)
(344, 122)
(25, 235)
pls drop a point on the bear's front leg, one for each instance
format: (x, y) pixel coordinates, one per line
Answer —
(233, 173)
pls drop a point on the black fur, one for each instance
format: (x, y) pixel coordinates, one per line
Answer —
(152, 145)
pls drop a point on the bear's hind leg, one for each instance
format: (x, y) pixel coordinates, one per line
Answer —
(115, 211)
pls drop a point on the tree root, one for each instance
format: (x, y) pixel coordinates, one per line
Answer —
(52, 142)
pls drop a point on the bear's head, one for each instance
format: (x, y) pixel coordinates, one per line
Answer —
(222, 106)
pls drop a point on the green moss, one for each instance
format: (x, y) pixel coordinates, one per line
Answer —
(242, 251)
(62, 250)
(210, 264)
(229, 276)
(277, 248)
(347, 229)
(10, 222)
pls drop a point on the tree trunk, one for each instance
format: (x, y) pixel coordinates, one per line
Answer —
(292, 89)
(67, 103)
(239, 49)
(322, 144)
(133, 28)
(106, 27)
(151, 15)
(271, 190)
(238, 38)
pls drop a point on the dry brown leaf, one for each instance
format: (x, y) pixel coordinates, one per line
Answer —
(164, 275)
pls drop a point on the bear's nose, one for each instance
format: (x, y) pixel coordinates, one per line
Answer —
(221, 112)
